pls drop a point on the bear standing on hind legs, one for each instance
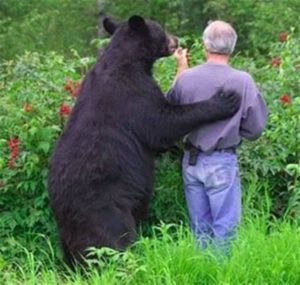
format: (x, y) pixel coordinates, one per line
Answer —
(101, 171)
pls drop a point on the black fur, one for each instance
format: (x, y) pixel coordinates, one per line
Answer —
(101, 172)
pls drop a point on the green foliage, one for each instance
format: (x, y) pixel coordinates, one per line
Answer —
(30, 98)
(61, 25)
(170, 257)
(45, 25)
(279, 146)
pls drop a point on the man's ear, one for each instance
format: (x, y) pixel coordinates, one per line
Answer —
(138, 24)
(109, 25)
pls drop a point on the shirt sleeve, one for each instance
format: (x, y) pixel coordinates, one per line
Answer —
(254, 114)
(173, 95)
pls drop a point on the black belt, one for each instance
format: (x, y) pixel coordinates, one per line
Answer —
(194, 152)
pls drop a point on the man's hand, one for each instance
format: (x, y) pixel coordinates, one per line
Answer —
(182, 60)
(181, 56)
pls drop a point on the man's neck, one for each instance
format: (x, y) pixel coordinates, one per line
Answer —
(217, 58)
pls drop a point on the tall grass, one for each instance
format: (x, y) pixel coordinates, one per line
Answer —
(263, 253)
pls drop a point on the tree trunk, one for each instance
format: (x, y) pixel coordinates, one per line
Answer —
(101, 16)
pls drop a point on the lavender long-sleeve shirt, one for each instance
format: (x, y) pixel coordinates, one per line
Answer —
(202, 82)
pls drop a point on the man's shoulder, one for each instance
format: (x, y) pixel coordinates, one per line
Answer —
(238, 73)
(191, 73)
(215, 72)
(204, 67)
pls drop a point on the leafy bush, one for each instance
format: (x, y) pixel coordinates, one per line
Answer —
(35, 25)
(60, 25)
(280, 145)
(33, 109)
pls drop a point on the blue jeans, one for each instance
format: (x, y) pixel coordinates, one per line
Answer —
(213, 196)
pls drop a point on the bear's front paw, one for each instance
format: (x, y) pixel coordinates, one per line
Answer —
(228, 102)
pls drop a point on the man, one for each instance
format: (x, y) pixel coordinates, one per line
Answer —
(210, 166)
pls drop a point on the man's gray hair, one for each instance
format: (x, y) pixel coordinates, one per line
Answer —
(219, 37)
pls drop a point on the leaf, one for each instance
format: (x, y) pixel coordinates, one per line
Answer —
(44, 146)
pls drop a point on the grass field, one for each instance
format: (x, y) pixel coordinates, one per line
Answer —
(263, 253)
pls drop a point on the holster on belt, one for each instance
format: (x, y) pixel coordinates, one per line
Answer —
(193, 153)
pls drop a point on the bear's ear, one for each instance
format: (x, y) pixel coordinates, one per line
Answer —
(137, 23)
(109, 25)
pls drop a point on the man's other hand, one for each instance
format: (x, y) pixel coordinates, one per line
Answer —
(182, 59)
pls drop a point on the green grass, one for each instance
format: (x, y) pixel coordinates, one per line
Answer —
(261, 254)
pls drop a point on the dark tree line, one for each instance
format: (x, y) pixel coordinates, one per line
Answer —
(60, 25)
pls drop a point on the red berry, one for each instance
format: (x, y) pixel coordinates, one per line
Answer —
(285, 99)
(64, 110)
(275, 61)
(13, 145)
(69, 85)
(283, 36)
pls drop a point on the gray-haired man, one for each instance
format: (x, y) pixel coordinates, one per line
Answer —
(210, 167)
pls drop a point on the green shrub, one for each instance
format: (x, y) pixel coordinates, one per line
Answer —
(279, 146)
(33, 104)
(61, 25)
(46, 26)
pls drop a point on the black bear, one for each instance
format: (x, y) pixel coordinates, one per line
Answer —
(101, 171)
